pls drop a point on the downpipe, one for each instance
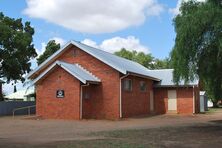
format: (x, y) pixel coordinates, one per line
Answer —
(120, 95)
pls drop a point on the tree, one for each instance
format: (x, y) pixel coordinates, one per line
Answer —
(139, 57)
(197, 52)
(125, 54)
(16, 48)
(51, 48)
(162, 64)
(147, 60)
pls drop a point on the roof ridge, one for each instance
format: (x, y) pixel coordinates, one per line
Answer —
(106, 52)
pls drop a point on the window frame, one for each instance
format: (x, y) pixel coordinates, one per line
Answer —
(130, 85)
(143, 90)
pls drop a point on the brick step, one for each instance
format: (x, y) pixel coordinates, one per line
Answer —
(172, 112)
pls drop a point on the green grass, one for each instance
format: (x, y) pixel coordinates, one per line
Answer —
(213, 110)
(187, 136)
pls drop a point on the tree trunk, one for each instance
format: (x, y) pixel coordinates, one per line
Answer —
(215, 105)
(15, 89)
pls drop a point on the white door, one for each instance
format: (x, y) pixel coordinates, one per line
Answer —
(151, 101)
(202, 104)
(172, 100)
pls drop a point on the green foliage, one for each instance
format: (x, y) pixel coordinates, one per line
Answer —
(198, 47)
(51, 48)
(162, 64)
(147, 60)
(16, 48)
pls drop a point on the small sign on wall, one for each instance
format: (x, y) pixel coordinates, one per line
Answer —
(60, 93)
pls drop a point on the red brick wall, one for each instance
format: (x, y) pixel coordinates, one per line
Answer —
(48, 106)
(136, 102)
(105, 103)
(184, 100)
(160, 100)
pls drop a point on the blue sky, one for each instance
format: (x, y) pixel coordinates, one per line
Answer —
(145, 25)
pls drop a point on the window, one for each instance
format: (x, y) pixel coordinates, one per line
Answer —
(127, 85)
(143, 86)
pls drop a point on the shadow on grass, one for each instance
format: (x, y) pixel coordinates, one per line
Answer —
(216, 121)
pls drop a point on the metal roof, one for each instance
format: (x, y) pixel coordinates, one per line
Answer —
(166, 76)
(120, 64)
(74, 69)
(1, 81)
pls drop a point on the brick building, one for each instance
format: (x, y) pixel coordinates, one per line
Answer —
(81, 82)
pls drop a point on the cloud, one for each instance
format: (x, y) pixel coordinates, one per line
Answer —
(8, 88)
(116, 43)
(176, 10)
(58, 40)
(93, 16)
(90, 43)
(42, 49)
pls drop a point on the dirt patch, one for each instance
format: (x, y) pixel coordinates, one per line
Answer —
(157, 131)
(204, 136)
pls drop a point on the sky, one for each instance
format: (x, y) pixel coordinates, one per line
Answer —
(141, 25)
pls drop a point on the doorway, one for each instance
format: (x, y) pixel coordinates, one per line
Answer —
(172, 100)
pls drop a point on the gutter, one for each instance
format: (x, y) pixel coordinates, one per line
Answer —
(193, 101)
(120, 94)
(81, 94)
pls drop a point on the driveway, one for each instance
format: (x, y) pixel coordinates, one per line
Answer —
(28, 131)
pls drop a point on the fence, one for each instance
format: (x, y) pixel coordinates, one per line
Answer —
(6, 108)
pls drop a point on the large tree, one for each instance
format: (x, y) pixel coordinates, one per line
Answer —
(198, 47)
(51, 48)
(16, 48)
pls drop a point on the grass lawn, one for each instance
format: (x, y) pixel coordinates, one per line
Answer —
(205, 135)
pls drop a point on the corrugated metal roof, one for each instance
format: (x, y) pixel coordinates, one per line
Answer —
(120, 64)
(166, 76)
(74, 69)
(79, 72)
